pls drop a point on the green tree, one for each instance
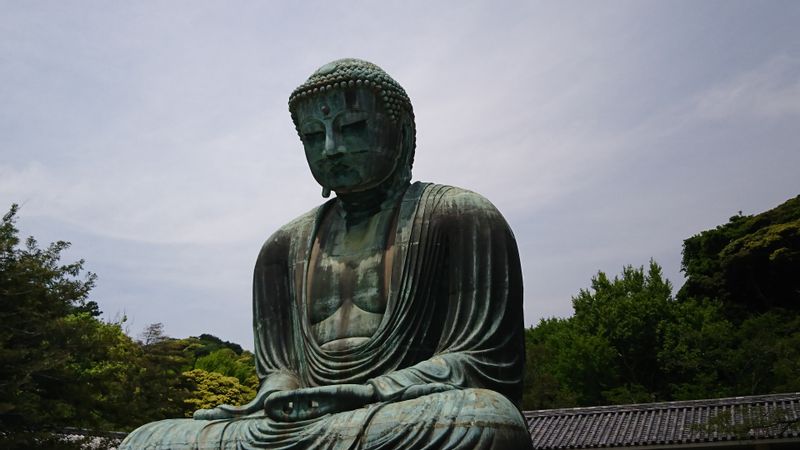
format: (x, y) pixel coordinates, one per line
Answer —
(607, 351)
(37, 295)
(767, 357)
(750, 264)
(734, 329)
(161, 389)
(698, 351)
(738, 328)
(566, 366)
(210, 343)
(628, 312)
(213, 389)
(178, 376)
(226, 362)
(59, 364)
(101, 362)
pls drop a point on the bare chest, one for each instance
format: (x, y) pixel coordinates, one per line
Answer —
(348, 282)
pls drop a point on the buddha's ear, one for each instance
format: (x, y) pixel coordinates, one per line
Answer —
(402, 138)
(406, 146)
(408, 141)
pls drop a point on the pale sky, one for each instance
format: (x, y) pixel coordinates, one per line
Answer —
(155, 136)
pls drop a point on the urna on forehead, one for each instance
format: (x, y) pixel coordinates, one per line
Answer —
(351, 73)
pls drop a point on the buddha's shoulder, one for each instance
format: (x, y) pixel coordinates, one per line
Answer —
(463, 201)
(294, 229)
(301, 223)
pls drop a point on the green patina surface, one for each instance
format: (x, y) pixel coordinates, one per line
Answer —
(388, 317)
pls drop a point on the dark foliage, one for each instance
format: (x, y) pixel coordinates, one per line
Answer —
(734, 329)
(750, 264)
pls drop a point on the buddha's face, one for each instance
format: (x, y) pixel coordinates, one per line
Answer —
(351, 144)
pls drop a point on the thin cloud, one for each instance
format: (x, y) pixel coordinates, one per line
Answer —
(769, 91)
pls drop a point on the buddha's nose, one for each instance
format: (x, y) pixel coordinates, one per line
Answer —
(331, 147)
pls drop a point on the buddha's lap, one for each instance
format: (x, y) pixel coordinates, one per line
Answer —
(470, 418)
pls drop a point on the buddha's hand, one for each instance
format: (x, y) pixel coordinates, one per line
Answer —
(418, 390)
(310, 403)
(229, 412)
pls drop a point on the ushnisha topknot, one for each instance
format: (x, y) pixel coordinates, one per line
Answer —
(351, 72)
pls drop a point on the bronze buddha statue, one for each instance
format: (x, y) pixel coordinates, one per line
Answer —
(389, 317)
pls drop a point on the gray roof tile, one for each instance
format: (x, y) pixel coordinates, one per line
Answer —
(774, 416)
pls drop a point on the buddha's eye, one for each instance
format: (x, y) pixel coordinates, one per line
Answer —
(314, 137)
(357, 127)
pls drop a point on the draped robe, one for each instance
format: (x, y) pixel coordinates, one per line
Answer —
(454, 317)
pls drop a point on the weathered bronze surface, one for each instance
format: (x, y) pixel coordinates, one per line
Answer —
(390, 317)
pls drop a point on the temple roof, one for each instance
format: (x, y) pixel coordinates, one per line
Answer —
(763, 418)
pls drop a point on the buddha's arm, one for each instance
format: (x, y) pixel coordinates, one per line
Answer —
(482, 340)
(273, 343)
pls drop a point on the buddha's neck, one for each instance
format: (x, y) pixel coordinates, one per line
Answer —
(357, 206)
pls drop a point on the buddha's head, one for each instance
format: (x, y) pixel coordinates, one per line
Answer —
(357, 127)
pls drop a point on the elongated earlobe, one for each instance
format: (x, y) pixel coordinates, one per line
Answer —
(326, 192)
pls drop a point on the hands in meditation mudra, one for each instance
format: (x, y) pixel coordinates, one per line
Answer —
(390, 317)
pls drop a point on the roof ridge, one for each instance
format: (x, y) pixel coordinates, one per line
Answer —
(676, 404)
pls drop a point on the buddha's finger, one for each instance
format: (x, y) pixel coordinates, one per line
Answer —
(211, 414)
(420, 390)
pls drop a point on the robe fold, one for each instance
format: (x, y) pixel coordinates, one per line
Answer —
(453, 316)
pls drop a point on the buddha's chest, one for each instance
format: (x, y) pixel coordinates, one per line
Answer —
(349, 279)
(355, 279)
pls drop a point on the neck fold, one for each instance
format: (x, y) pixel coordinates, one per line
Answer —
(363, 204)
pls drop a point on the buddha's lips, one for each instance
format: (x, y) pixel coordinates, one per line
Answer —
(339, 163)
(336, 165)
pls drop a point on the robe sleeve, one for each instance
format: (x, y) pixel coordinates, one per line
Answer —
(275, 354)
(482, 335)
